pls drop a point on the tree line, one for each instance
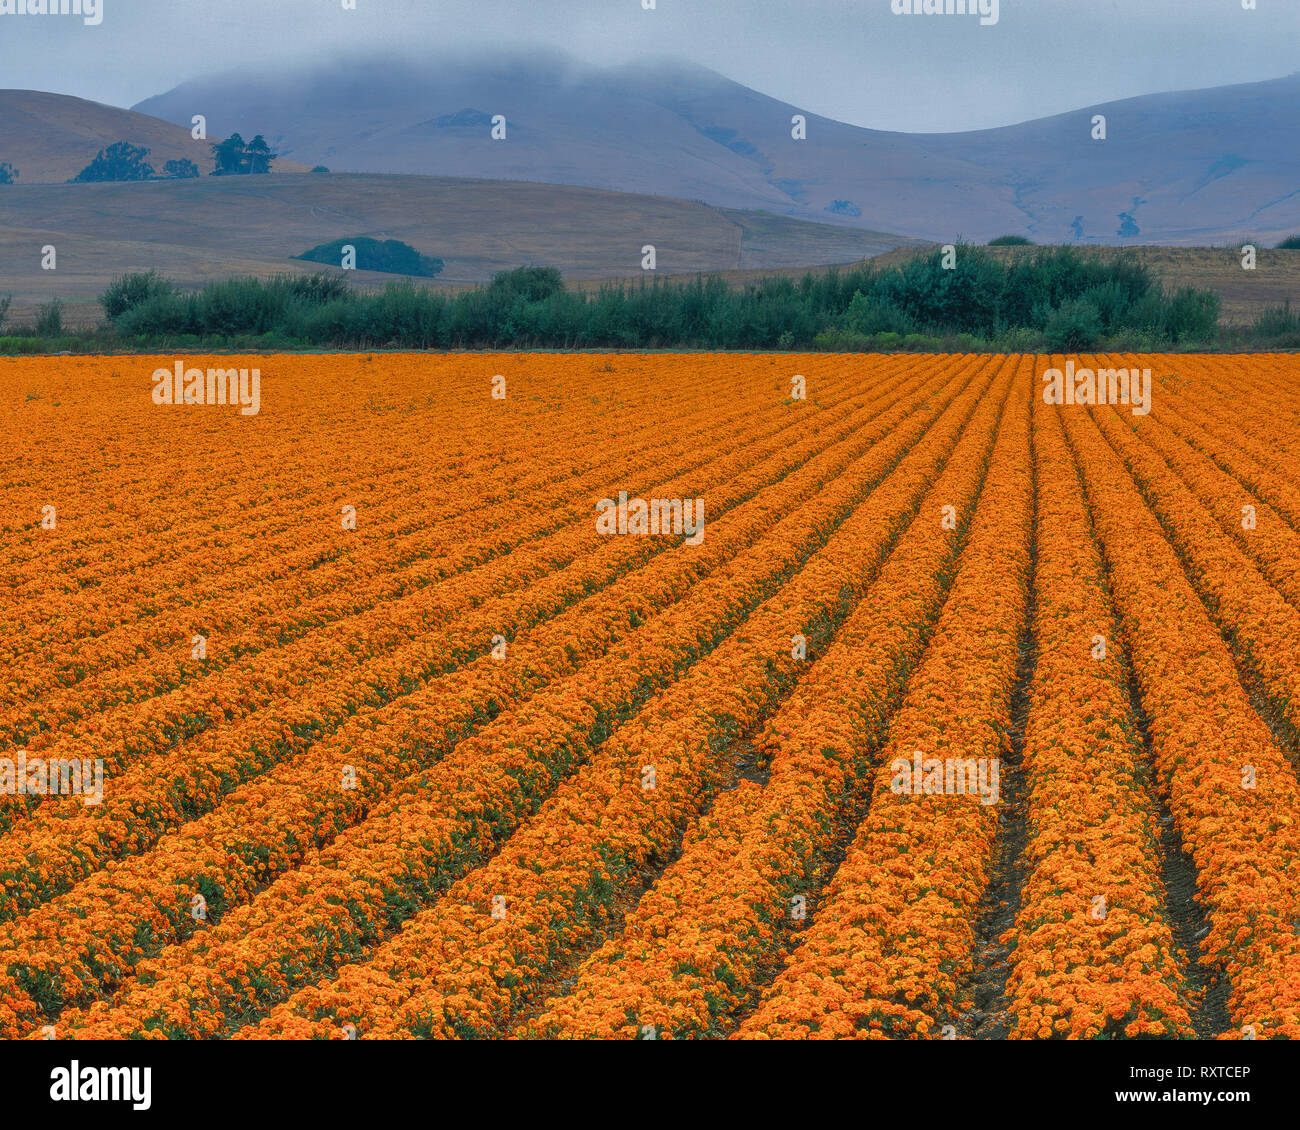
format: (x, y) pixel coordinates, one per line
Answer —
(1058, 299)
(123, 161)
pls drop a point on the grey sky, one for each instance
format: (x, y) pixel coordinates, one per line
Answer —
(848, 59)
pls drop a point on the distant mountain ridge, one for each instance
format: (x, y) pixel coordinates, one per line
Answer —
(1189, 167)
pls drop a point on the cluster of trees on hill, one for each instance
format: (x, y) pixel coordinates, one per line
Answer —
(234, 156)
(8, 174)
(123, 161)
(1058, 299)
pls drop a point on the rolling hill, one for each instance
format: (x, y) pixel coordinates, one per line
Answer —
(213, 227)
(1186, 168)
(50, 138)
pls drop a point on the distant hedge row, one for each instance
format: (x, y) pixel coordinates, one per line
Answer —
(1055, 299)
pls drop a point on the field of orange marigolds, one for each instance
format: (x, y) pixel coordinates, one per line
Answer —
(635, 696)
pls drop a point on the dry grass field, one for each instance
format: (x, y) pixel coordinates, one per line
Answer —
(198, 230)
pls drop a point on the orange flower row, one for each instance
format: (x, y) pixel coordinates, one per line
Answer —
(1260, 532)
(1263, 627)
(238, 604)
(1232, 792)
(1094, 956)
(467, 963)
(1265, 455)
(687, 960)
(439, 821)
(256, 681)
(120, 524)
(889, 952)
(225, 756)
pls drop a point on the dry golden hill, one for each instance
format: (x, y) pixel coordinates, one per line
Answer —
(50, 138)
(213, 227)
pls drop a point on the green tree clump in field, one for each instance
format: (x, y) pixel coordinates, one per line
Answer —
(121, 161)
(8, 174)
(1279, 325)
(49, 319)
(391, 256)
(129, 291)
(1011, 241)
(531, 284)
(184, 169)
(1291, 243)
(1076, 325)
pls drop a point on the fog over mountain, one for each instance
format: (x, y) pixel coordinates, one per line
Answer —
(1189, 167)
(851, 60)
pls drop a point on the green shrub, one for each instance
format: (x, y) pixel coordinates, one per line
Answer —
(532, 284)
(1277, 321)
(1020, 339)
(1191, 315)
(1291, 243)
(1011, 241)
(49, 319)
(920, 343)
(867, 318)
(1075, 326)
(22, 343)
(130, 290)
(316, 289)
(161, 315)
(183, 169)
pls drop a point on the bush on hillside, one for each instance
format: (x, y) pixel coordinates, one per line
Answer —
(390, 256)
(184, 169)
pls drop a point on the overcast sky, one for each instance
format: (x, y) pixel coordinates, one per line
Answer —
(854, 60)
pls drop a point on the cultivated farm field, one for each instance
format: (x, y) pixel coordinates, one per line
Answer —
(932, 710)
